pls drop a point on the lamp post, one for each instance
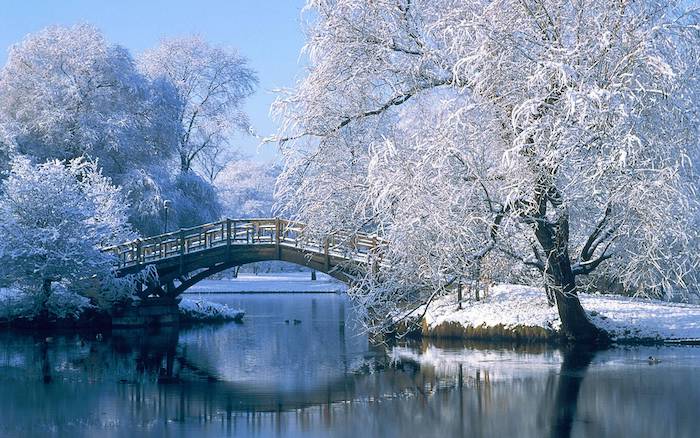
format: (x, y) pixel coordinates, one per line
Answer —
(166, 205)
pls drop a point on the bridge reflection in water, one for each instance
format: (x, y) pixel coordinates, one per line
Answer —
(319, 378)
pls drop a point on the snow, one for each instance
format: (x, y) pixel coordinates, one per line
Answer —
(202, 310)
(509, 305)
(498, 364)
(270, 283)
(643, 318)
(63, 304)
(624, 317)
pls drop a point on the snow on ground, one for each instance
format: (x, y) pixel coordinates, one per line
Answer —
(270, 283)
(201, 310)
(625, 318)
(642, 318)
(509, 305)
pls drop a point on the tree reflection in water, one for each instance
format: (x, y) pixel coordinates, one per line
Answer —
(573, 370)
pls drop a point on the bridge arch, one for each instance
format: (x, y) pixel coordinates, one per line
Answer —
(187, 256)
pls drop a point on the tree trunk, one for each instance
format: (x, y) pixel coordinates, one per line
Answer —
(45, 294)
(574, 321)
(560, 280)
(184, 162)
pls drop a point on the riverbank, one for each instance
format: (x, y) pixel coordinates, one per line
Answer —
(20, 311)
(521, 313)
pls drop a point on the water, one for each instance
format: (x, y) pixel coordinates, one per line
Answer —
(319, 378)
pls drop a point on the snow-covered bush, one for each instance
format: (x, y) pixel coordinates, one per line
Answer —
(54, 217)
(197, 309)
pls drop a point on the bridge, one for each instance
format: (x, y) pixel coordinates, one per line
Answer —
(184, 257)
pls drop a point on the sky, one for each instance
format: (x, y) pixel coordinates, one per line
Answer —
(267, 32)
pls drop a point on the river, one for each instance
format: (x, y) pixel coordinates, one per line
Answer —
(300, 366)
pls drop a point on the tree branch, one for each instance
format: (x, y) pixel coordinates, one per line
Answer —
(588, 248)
(395, 101)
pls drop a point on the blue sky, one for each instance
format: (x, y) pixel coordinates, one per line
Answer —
(267, 32)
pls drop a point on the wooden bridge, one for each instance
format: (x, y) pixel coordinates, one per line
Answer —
(184, 257)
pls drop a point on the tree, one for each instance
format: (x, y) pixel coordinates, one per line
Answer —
(246, 189)
(65, 93)
(567, 131)
(197, 201)
(54, 217)
(213, 84)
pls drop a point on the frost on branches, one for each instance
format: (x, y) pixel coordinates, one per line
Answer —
(543, 141)
(246, 188)
(66, 92)
(53, 219)
(212, 83)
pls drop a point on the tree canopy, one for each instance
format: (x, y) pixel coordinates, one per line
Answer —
(554, 136)
(212, 83)
(66, 93)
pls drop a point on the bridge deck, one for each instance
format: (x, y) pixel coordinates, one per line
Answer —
(268, 232)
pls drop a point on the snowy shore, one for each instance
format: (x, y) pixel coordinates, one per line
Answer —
(522, 312)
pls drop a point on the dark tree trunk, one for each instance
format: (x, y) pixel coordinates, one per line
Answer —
(45, 294)
(184, 162)
(561, 282)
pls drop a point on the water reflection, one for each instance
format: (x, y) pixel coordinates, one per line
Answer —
(573, 370)
(319, 378)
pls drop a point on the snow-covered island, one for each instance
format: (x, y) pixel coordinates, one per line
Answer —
(200, 310)
(22, 310)
(516, 312)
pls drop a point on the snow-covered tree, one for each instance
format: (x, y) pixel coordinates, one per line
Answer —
(193, 201)
(197, 201)
(65, 92)
(556, 135)
(246, 189)
(213, 84)
(54, 217)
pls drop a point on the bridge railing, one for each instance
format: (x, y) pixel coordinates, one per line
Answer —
(265, 231)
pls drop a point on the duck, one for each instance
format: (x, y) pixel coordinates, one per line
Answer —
(296, 321)
(653, 360)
